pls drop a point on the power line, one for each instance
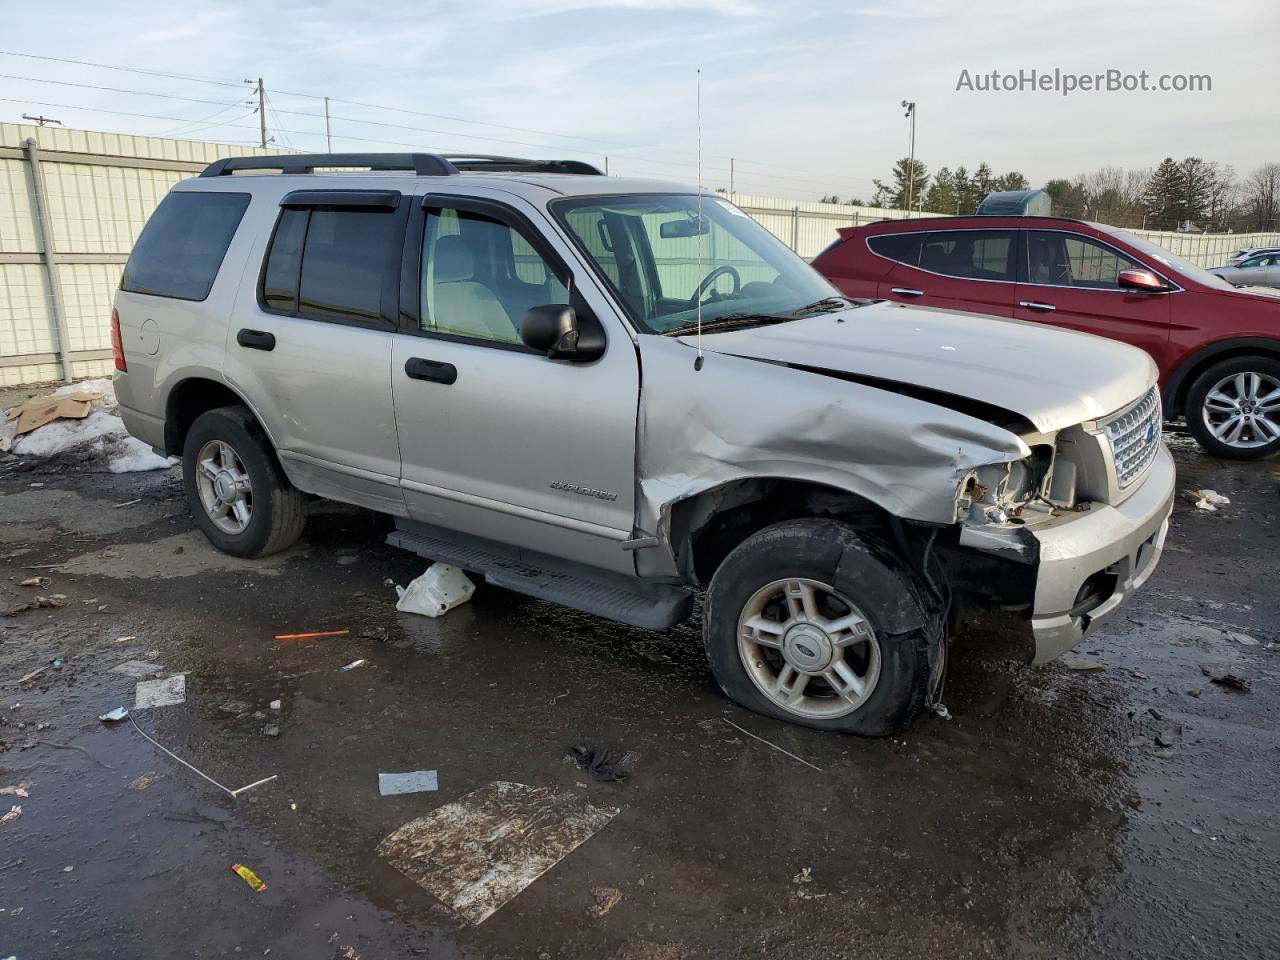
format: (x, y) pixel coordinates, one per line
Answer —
(828, 179)
(758, 179)
(94, 86)
(114, 66)
(119, 113)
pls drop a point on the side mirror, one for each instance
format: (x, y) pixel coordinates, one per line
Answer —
(555, 330)
(1143, 280)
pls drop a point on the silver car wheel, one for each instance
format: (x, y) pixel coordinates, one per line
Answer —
(224, 487)
(1243, 410)
(808, 649)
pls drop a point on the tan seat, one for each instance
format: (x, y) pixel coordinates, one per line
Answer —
(457, 302)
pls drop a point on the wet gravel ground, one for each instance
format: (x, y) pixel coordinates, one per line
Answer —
(1123, 812)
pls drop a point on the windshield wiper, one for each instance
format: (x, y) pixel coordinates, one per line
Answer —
(825, 305)
(730, 321)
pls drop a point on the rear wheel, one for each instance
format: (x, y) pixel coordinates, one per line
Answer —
(807, 622)
(235, 488)
(1233, 408)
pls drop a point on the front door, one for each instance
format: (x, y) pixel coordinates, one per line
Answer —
(496, 440)
(1070, 280)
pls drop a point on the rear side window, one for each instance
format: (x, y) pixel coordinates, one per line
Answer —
(333, 263)
(182, 245)
(902, 247)
(969, 254)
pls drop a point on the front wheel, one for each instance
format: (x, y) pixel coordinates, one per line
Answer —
(1233, 408)
(807, 622)
(236, 490)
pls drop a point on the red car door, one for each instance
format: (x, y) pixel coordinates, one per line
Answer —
(974, 270)
(1070, 280)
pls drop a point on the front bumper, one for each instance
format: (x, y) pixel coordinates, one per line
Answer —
(1106, 553)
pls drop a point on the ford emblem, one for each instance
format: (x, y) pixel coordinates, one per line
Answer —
(1151, 432)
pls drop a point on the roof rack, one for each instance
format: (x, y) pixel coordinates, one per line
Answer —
(422, 164)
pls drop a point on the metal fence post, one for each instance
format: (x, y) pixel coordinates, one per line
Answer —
(61, 338)
(795, 229)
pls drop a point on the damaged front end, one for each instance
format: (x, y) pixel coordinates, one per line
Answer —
(1069, 533)
(1053, 521)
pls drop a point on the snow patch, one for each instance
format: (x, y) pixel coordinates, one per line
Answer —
(98, 440)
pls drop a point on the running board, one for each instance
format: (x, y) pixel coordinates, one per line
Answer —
(600, 592)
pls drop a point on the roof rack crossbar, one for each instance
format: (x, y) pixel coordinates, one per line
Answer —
(422, 164)
(482, 162)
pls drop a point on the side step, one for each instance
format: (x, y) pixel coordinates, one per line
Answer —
(605, 594)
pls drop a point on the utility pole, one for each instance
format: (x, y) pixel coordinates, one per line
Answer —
(328, 134)
(262, 114)
(41, 121)
(731, 178)
(911, 154)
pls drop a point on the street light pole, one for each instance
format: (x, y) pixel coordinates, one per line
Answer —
(910, 106)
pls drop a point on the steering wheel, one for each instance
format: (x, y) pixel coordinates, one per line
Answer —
(711, 278)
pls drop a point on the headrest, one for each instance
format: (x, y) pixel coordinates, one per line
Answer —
(453, 260)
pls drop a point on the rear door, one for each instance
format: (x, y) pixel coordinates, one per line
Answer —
(496, 440)
(974, 270)
(310, 342)
(1070, 280)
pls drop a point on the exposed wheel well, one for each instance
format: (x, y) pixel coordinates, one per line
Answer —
(705, 528)
(187, 401)
(1191, 369)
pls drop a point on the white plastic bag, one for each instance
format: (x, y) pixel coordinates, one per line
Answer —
(436, 592)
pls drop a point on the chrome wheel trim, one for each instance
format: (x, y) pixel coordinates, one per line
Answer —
(1243, 410)
(808, 649)
(224, 488)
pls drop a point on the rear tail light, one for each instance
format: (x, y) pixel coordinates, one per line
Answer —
(117, 344)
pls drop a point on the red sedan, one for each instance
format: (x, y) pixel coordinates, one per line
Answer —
(1217, 346)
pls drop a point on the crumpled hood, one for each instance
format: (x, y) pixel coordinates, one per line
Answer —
(1054, 378)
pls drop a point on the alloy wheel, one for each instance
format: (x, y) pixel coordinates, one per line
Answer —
(1243, 410)
(808, 649)
(225, 491)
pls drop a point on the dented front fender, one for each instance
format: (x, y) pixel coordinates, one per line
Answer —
(738, 418)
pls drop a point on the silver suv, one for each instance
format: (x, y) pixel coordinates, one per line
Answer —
(610, 393)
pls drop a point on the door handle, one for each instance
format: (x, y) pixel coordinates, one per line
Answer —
(904, 292)
(1036, 305)
(418, 368)
(256, 339)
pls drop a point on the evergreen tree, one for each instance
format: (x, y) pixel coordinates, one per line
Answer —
(968, 193)
(941, 195)
(1012, 180)
(904, 171)
(1163, 200)
(982, 182)
(1197, 185)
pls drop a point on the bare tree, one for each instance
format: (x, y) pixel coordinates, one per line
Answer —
(1261, 197)
(1222, 196)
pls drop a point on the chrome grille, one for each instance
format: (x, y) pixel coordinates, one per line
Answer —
(1134, 435)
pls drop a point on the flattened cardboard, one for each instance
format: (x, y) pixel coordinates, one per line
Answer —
(38, 411)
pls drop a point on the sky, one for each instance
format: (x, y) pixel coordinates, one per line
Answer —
(805, 97)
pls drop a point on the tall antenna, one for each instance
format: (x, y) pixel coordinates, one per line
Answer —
(697, 363)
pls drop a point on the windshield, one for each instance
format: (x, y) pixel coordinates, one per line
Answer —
(1167, 258)
(662, 262)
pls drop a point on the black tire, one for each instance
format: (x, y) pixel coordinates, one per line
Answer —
(1195, 407)
(884, 591)
(279, 510)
